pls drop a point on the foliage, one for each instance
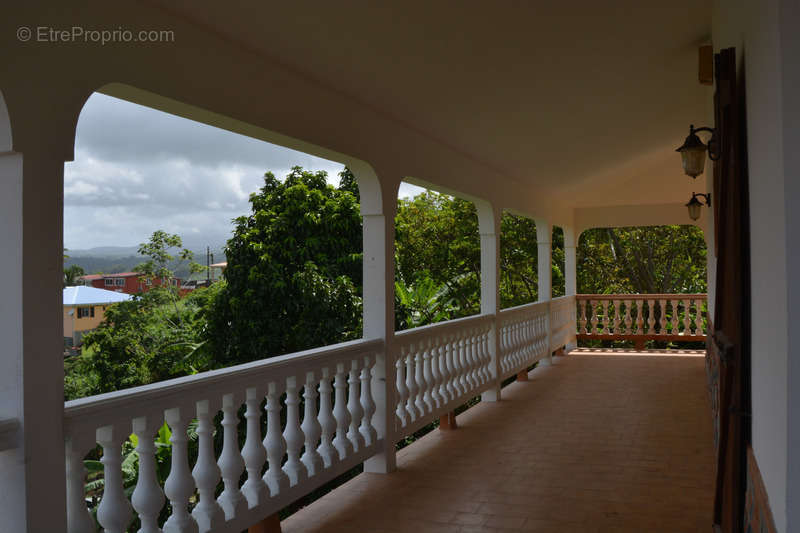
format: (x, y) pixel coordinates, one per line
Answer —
(646, 260)
(149, 338)
(294, 272)
(160, 261)
(437, 247)
(71, 275)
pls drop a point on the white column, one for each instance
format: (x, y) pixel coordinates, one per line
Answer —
(489, 226)
(31, 367)
(570, 271)
(378, 207)
(544, 240)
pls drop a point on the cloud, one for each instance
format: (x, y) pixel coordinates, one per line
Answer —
(137, 170)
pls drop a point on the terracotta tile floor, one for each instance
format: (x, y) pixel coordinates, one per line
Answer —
(601, 441)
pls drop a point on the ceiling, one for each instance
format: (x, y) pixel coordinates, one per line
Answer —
(566, 96)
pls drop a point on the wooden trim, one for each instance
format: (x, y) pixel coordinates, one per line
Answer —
(634, 337)
(641, 296)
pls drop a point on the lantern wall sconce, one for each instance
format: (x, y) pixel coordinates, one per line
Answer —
(694, 204)
(693, 151)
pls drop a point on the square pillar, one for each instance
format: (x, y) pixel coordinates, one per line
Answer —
(31, 321)
(489, 226)
(378, 311)
(544, 241)
(570, 273)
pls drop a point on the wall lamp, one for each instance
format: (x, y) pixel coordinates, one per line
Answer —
(694, 204)
(693, 151)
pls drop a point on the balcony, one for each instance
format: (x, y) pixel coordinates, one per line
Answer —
(571, 447)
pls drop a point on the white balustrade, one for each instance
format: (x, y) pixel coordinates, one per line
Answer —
(439, 367)
(524, 335)
(109, 420)
(654, 316)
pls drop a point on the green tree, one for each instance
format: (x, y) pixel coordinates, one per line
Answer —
(645, 260)
(160, 262)
(145, 339)
(294, 272)
(71, 275)
(437, 245)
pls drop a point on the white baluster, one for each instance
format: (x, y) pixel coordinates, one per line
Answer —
(452, 383)
(436, 375)
(605, 322)
(354, 406)
(179, 486)
(674, 319)
(687, 324)
(327, 422)
(593, 321)
(208, 514)
(367, 430)
(253, 452)
(472, 358)
(275, 478)
(663, 322)
(651, 318)
(341, 442)
(698, 317)
(578, 315)
(114, 512)
(411, 384)
(79, 520)
(628, 318)
(462, 357)
(293, 435)
(427, 378)
(640, 317)
(400, 386)
(311, 427)
(419, 405)
(231, 464)
(147, 497)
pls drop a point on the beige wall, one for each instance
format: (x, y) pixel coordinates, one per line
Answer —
(74, 324)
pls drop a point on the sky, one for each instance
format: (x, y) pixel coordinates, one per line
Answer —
(137, 170)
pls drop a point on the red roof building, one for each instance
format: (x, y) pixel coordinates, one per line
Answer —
(127, 282)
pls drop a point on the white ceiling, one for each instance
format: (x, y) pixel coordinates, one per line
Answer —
(582, 99)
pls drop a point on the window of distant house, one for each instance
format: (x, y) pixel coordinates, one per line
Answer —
(109, 282)
(149, 281)
(85, 312)
(120, 282)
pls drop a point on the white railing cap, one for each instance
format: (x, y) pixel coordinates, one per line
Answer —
(108, 408)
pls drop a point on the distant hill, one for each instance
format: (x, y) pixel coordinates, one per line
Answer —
(115, 259)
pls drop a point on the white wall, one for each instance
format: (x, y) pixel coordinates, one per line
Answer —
(754, 29)
(789, 17)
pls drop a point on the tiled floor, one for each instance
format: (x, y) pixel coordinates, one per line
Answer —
(601, 441)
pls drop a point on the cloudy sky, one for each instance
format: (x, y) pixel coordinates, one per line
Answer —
(137, 170)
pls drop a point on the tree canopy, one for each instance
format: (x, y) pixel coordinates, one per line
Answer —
(294, 273)
(294, 279)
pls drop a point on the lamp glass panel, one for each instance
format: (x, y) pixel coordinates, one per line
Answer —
(694, 210)
(694, 161)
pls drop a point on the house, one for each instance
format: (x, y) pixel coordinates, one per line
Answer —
(566, 112)
(84, 309)
(127, 282)
(204, 278)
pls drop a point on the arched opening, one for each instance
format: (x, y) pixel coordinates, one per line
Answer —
(437, 257)
(642, 287)
(267, 258)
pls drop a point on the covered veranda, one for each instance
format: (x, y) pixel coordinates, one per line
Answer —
(600, 441)
(568, 113)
